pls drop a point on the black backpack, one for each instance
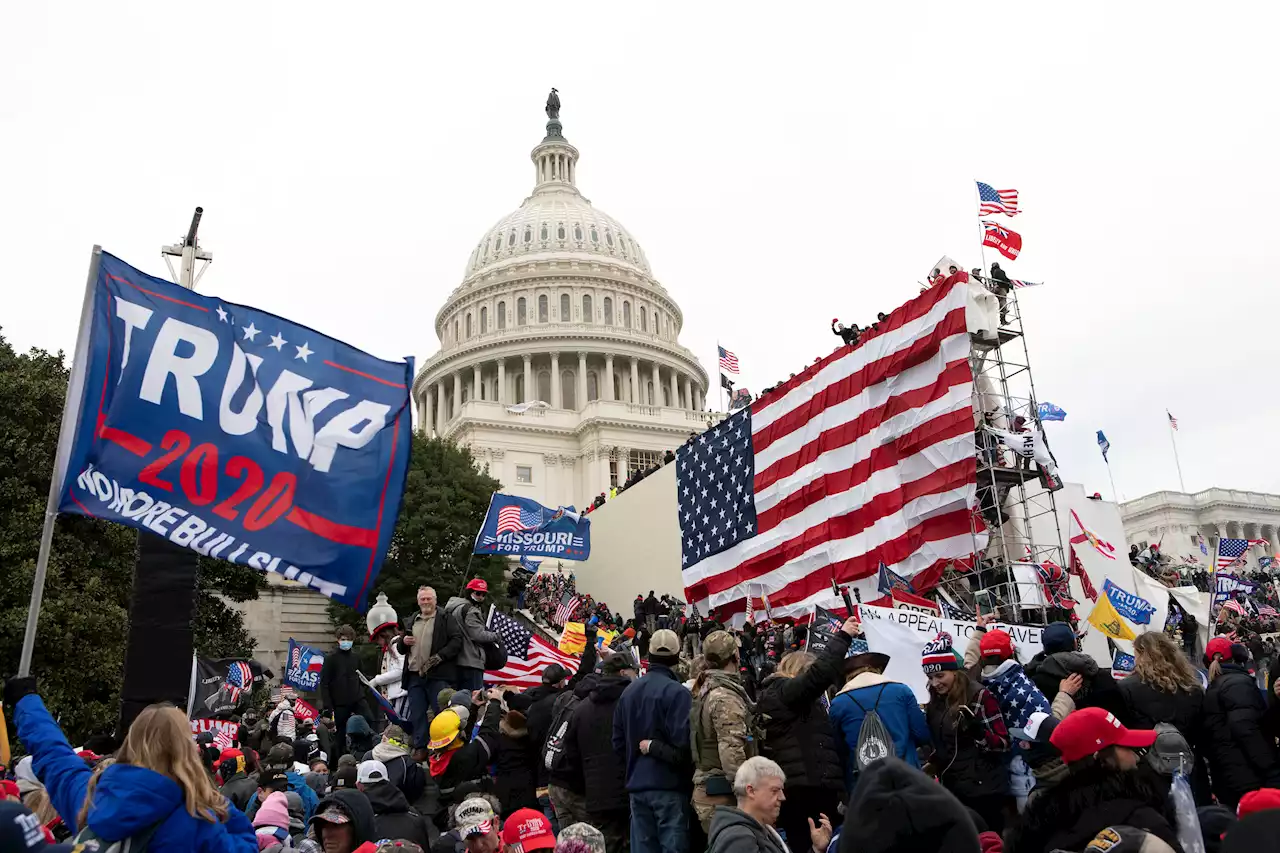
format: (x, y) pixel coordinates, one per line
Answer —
(553, 750)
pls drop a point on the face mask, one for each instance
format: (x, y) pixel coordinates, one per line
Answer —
(345, 645)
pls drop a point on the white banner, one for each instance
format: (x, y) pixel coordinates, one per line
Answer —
(902, 634)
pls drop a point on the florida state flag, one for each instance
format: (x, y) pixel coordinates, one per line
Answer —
(1000, 238)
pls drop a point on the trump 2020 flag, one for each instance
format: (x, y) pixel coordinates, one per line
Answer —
(303, 668)
(237, 433)
(527, 528)
(1050, 412)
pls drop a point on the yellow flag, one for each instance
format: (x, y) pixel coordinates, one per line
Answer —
(1105, 618)
(574, 639)
(4, 739)
(605, 637)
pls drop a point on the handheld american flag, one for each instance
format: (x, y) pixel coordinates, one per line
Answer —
(1231, 551)
(527, 654)
(865, 457)
(568, 604)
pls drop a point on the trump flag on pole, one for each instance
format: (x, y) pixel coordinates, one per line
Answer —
(237, 433)
(525, 527)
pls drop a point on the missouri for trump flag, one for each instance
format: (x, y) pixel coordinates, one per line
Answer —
(866, 457)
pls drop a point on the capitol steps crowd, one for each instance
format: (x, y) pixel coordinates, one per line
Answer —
(713, 739)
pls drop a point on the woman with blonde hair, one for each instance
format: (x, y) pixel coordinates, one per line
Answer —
(156, 792)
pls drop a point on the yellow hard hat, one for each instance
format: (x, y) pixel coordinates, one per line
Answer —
(445, 729)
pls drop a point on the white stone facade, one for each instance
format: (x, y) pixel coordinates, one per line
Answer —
(558, 307)
(1171, 518)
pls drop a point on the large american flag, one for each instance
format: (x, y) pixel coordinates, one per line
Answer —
(866, 456)
(1230, 551)
(527, 654)
(991, 200)
(513, 519)
(728, 361)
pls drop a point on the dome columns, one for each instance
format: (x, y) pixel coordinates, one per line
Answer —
(608, 377)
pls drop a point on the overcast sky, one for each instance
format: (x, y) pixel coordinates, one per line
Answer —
(780, 167)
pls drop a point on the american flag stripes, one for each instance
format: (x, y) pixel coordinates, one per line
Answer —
(991, 200)
(728, 361)
(1266, 611)
(1173, 422)
(1231, 551)
(1234, 606)
(568, 604)
(513, 519)
(527, 654)
(1017, 282)
(866, 456)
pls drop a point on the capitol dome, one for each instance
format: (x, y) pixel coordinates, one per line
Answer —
(560, 364)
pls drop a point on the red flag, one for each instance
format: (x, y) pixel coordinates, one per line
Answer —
(1000, 238)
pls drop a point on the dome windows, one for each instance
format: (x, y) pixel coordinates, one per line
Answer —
(595, 237)
(528, 234)
(608, 237)
(626, 314)
(608, 311)
(502, 316)
(484, 319)
(560, 231)
(565, 310)
(522, 316)
(587, 315)
(511, 239)
(543, 309)
(544, 232)
(577, 232)
(497, 244)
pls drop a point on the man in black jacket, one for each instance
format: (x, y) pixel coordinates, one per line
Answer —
(341, 688)
(1060, 659)
(392, 816)
(430, 645)
(651, 609)
(589, 751)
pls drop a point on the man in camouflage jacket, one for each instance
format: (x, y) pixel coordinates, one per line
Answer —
(720, 726)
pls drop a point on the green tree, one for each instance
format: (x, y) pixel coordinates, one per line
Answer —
(80, 642)
(445, 500)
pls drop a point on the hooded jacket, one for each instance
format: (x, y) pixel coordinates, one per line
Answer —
(297, 784)
(128, 799)
(897, 708)
(1241, 757)
(462, 771)
(1098, 691)
(340, 686)
(896, 807)
(238, 789)
(735, 831)
(470, 625)
(402, 771)
(655, 707)
(1068, 815)
(798, 733)
(589, 748)
(392, 816)
(568, 772)
(358, 808)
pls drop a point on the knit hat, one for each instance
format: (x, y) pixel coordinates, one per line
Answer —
(580, 838)
(274, 811)
(1058, 637)
(996, 644)
(938, 656)
(912, 813)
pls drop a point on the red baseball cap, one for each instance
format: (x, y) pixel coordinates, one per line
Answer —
(1256, 801)
(530, 829)
(996, 643)
(478, 585)
(1092, 730)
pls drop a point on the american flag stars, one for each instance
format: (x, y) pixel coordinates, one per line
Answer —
(713, 474)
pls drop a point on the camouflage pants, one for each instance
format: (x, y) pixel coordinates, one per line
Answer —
(705, 806)
(570, 808)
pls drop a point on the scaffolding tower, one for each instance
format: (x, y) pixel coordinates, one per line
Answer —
(1015, 528)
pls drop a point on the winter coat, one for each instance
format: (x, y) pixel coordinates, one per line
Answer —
(446, 641)
(652, 607)
(1098, 691)
(402, 771)
(340, 686)
(516, 766)
(637, 607)
(589, 746)
(541, 711)
(735, 831)
(463, 771)
(297, 784)
(719, 721)
(897, 709)
(568, 774)
(966, 765)
(358, 808)
(392, 817)
(655, 707)
(238, 789)
(1068, 815)
(798, 734)
(1241, 757)
(128, 799)
(390, 681)
(1146, 705)
(470, 625)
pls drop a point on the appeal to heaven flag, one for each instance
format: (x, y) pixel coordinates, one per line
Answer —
(236, 433)
(1105, 618)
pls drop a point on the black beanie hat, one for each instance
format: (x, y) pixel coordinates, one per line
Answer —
(897, 809)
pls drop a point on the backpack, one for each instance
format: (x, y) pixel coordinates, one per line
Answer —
(92, 843)
(495, 656)
(699, 728)
(553, 751)
(874, 740)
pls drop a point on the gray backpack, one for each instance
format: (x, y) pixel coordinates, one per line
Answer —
(874, 740)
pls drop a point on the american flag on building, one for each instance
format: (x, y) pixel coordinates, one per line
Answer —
(1230, 552)
(568, 604)
(728, 361)
(991, 200)
(513, 519)
(865, 457)
(527, 654)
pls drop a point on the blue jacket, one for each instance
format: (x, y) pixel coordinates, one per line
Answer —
(897, 708)
(128, 800)
(297, 784)
(655, 707)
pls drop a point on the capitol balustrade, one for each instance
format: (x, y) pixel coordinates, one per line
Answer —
(540, 417)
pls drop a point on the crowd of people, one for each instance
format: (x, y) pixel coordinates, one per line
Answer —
(710, 738)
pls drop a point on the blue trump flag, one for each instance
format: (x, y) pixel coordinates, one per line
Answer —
(527, 528)
(530, 566)
(236, 433)
(303, 667)
(1050, 412)
(1135, 608)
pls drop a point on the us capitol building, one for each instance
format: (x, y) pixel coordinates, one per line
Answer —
(560, 364)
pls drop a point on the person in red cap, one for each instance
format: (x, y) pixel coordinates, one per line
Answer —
(466, 613)
(528, 830)
(1241, 756)
(1103, 787)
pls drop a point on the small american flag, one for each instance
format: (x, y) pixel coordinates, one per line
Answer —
(527, 655)
(1017, 282)
(1231, 551)
(1173, 422)
(991, 200)
(1234, 606)
(728, 361)
(568, 604)
(513, 519)
(1267, 611)
(223, 739)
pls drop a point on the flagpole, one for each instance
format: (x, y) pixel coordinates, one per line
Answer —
(982, 249)
(1213, 589)
(71, 406)
(719, 378)
(1114, 494)
(1173, 439)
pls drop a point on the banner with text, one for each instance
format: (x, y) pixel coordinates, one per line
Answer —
(303, 668)
(902, 634)
(524, 527)
(223, 687)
